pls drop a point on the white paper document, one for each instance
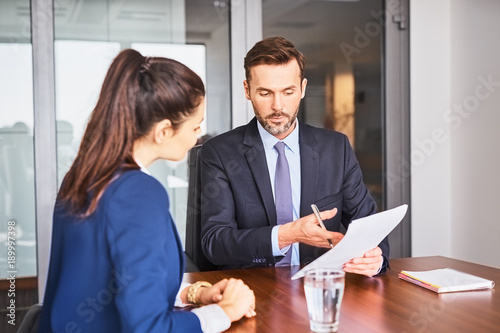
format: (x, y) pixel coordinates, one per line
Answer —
(362, 235)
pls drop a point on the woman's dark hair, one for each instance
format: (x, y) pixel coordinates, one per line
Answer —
(274, 51)
(137, 93)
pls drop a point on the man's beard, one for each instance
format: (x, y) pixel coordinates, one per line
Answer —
(277, 129)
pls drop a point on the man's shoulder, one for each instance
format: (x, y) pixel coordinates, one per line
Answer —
(229, 139)
(237, 132)
(321, 134)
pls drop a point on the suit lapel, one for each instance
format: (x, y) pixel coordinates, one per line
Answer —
(256, 159)
(309, 169)
(309, 172)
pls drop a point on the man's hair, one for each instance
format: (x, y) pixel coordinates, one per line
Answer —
(274, 51)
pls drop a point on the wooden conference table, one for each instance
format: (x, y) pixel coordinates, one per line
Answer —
(379, 304)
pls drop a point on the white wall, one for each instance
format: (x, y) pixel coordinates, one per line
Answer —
(455, 120)
(475, 138)
(430, 97)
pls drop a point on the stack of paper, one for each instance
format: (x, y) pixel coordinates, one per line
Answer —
(362, 235)
(446, 280)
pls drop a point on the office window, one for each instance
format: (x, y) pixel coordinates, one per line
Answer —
(343, 43)
(17, 176)
(89, 34)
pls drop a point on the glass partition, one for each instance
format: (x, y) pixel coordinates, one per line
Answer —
(18, 252)
(17, 176)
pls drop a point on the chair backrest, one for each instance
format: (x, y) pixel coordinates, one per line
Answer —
(193, 216)
(30, 320)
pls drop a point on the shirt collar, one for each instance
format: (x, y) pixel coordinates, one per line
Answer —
(269, 140)
(143, 168)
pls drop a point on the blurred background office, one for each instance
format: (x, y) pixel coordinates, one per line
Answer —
(414, 84)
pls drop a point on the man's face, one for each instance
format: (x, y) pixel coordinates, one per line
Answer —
(275, 92)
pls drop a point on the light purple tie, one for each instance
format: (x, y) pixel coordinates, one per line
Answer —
(283, 195)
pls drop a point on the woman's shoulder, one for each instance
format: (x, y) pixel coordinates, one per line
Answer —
(135, 182)
(134, 192)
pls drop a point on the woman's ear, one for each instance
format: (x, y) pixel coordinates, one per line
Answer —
(163, 130)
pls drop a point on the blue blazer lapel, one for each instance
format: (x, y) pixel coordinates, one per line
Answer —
(256, 159)
(309, 169)
(182, 259)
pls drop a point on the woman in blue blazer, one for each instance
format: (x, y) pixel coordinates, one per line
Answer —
(116, 262)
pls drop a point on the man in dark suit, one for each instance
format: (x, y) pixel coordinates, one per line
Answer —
(239, 217)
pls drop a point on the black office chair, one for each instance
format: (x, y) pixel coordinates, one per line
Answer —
(30, 321)
(195, 259)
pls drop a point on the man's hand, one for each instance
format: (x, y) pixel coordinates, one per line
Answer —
(369, 264)
(308, 231)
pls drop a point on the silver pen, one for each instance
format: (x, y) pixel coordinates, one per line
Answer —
(320, 221)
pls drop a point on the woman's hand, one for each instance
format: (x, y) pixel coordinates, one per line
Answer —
(213, 294)
(238, 300)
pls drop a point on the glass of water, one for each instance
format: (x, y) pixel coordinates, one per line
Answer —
(324, 289)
